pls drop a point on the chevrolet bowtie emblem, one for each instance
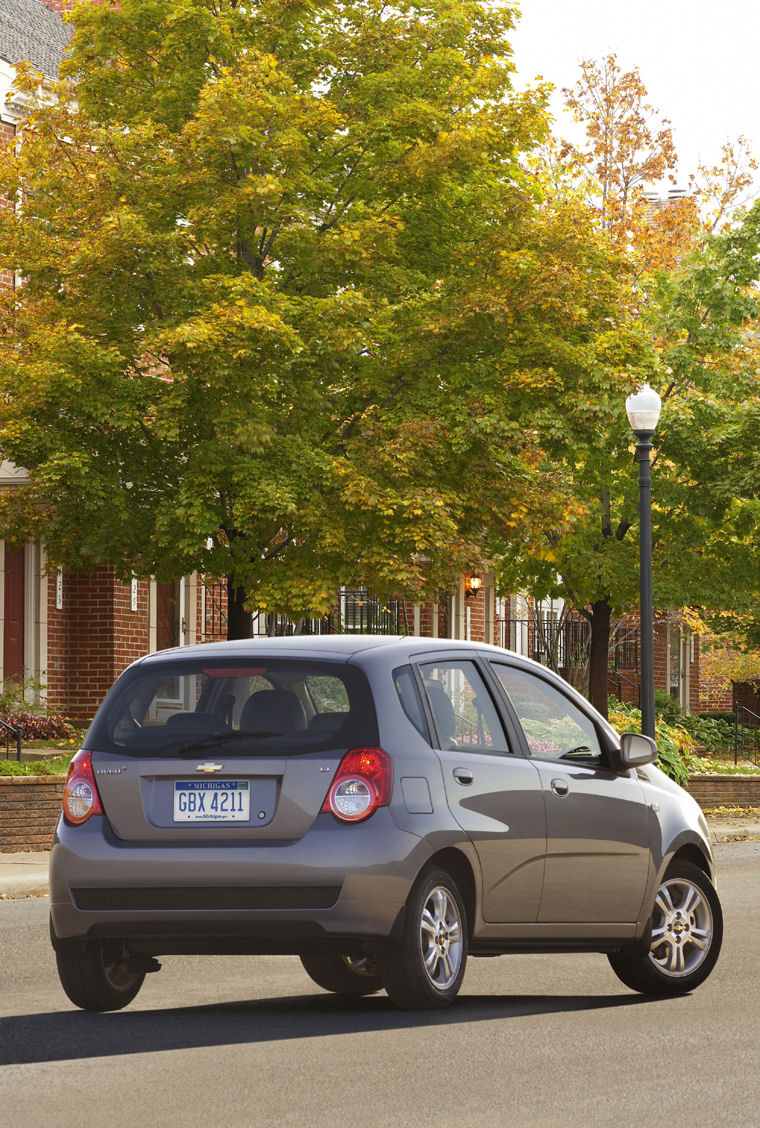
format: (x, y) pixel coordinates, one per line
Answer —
(208, 767)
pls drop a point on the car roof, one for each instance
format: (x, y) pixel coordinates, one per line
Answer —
(342, 646)
(337, 646)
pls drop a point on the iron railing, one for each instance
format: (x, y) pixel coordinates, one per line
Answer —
(357, 612)
(616, 679)
(214, 617)
(565, 644)
(11, 734)
(746, 734)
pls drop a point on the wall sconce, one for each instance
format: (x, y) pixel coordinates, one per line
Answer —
(472, 586)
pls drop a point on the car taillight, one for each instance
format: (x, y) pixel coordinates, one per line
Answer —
(80, 795)
(362, 783)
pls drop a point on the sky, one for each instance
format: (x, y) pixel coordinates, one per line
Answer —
(699, 60)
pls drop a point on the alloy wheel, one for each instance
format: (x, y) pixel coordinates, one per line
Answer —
(441, 938)
(682, 928)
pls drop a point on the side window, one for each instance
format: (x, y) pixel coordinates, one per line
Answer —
(406, 688)
(465, 716)
(554, 727)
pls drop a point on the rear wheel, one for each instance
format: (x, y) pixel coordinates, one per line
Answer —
(345, 975)
(427, 967)
(96, 975)
(685, 937)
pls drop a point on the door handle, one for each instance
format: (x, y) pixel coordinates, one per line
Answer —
(463, 775)
(560, 786)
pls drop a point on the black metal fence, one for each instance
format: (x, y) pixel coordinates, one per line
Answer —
(357, 612)
(565, 644)
(214, 603)
(12, 738)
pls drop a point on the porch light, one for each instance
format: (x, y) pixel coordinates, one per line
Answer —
(472, 585)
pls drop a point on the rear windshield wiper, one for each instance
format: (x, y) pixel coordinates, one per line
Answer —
(223, 738)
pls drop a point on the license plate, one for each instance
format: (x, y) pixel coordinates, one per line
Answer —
(212, 800)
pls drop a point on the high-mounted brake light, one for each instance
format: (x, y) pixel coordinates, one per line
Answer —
(363, 783)
(80, 795)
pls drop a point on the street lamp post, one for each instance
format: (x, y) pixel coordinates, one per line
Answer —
(643, 410)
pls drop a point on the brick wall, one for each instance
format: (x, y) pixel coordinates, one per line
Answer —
(29, 810)
(714, 696)
(92, 637)
(725, 791)
(748, 695)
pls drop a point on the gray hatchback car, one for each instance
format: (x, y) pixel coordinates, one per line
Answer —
(381, 807)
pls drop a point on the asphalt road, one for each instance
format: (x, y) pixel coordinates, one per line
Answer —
(532, 1042)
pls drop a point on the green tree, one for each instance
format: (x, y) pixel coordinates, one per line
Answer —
(293, 312)
(696, 292)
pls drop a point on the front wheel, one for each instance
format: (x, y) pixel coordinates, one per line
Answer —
(96, 975)
(684, 940)
(344, 975)
(427, 968)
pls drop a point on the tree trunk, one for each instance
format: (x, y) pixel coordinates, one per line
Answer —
(599, 659)
(239, 621)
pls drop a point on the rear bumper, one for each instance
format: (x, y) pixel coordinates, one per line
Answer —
(337, 882)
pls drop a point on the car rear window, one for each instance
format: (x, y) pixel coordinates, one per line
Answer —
(269, 707)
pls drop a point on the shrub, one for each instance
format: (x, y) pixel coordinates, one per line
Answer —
(39, 726)
(713, 732)
(675, 745)
(33, 719)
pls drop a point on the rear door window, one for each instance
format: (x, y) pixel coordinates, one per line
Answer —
(275, 707)
(463, 711)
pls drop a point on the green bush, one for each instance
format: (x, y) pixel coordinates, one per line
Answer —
(674, 744)
(714, 733)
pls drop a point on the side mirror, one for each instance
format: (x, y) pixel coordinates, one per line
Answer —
(637, 750)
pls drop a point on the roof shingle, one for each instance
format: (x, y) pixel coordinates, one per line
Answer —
(31, 31)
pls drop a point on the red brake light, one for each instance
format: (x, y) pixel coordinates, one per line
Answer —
(80, 795)
(363, 783)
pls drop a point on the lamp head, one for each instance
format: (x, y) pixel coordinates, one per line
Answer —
(473, 585)
(643, 408)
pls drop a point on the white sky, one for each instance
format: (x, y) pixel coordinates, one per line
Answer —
(699, 60)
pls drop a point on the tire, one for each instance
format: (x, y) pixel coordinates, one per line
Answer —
(424, 971)
(343, 974)
(95, 975)
(683, 938)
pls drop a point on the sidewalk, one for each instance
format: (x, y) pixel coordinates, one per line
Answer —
(26, 875)
(23, 875)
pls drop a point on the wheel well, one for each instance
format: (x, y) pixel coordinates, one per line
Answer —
(693, 854)
(455, 863)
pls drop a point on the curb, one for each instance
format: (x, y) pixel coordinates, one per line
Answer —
(23, 886)
(24, 874)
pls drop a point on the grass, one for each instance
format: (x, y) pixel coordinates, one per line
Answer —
(724, 765)
(56, 765)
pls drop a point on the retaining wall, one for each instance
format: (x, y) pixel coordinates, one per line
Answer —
(725, 791)
(29, 810)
